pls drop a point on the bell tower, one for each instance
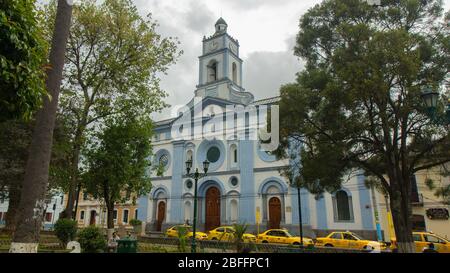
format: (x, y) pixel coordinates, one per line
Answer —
(220, 67)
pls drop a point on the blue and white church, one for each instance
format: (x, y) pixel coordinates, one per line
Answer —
(243, 183)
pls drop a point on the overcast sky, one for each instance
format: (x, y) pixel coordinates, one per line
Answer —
(265, 29)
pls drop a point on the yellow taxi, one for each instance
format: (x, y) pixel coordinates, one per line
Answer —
(422, 240)
(173, 232)
(226, 233)
(347, 239)
(281, 236)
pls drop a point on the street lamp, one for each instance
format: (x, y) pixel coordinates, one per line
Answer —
(197, 175)
(430, 97)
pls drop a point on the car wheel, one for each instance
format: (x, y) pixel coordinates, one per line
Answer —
(368, 248)
(265, 242)
(296, 243)
(214, 239)
(329, 245)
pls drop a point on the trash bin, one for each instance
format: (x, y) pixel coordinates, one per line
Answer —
(127, 245)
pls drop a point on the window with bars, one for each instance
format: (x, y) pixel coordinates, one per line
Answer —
(342, 207)
(125, 216)
(48, 217)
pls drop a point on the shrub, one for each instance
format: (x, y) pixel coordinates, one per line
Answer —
(135, 222)
(92, 240)
(182, 234)
(65, 230)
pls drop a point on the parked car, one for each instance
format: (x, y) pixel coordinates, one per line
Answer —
(226, 233)
(173, 232)
(281, 236)
(422, 240)
(347, 239)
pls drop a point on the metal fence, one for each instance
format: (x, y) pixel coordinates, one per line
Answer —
(253, 247)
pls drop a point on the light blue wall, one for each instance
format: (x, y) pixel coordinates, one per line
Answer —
(364, 199)
(225, 60)
(247, 205)
(200, 72)
(304, 196)
(142, 208)
(176, 211)
(321, 210)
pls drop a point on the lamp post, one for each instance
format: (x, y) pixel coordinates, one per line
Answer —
(197, 175)
(431, 99)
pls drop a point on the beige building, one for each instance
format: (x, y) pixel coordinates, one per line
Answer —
(430, 213)
(93, 212)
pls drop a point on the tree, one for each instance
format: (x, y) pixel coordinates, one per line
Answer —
(26, 236)
(116, 162)
(14, 151)
(23, 53)
(14, 143)
(357, 105)
(182, 235)
(239, 231)
(113, 62)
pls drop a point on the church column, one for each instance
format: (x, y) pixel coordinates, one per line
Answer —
(176, 212)
(247, 201)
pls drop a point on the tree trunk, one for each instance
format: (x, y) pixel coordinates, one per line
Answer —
(73, 186)
(400, 208)
(26, 237)
(14, 194)
(110, 219)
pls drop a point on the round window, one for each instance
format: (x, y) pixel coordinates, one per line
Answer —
(189, 184)
(213, 154)
(234, 181)
(163, 160)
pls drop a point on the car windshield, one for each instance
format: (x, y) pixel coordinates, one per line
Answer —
(356, 236)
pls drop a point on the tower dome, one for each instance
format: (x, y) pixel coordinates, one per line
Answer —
(221, 25)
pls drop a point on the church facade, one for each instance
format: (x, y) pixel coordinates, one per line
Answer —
(243, 183)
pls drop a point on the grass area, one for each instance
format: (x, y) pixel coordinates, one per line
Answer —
(50, 244)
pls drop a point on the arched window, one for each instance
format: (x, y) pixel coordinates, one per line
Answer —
(187, 211)
(212, 71)
(189, 155)
(234, 211)
(233, 155)
(234, 73)
(342, 206)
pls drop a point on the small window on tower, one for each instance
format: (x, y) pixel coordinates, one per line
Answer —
(212, 71)
(234, 73)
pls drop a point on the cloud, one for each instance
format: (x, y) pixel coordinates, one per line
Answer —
(254, 4)
(265, 72)
(199, 18)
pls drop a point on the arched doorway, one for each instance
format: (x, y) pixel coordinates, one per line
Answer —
(92, 218)
(274, 212)
(161, 215)
(212, 213)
